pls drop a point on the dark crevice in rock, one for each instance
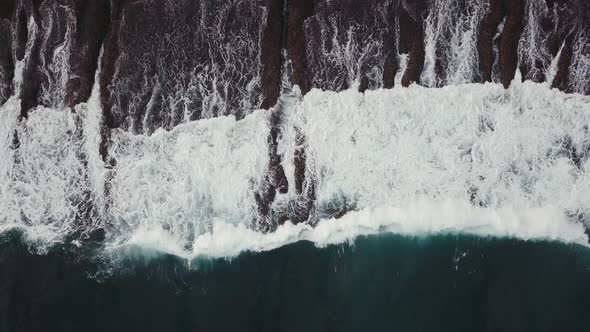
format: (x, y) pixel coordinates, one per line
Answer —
(272, 59)
(6, 61)
(573, 21)
(406, 28)
(166, 63)
(298, 11)
(275, 179)
(32, 73)
(46, 32)
(512, 12)
(110, 54)
(561, 79)
(349, 43)
(273, 42)
(509, 42)
(20, 21)
(487, 32)
(304, 185)
(390, 66)
(7, 8)
(92, 24)
(416, 51)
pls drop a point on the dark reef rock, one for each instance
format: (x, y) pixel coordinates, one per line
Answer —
(487, 32)
(298, 12)
(511, 13)
(92, 17)
(406, 30)
(6, 61)
(572, 34)
(349, 42)
(416, 52)
(390, 65)
(27, 33)
(413, 26)
(59, 41)
(168, 62)
(165, 63)
(561, 80)
(272, 59)
(275, 179)
(509, 41)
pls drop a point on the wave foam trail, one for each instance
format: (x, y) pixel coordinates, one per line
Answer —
(471, 159)
(524, 147)
(450, 46)
(44, 185)
(420, 218)
(189, 179)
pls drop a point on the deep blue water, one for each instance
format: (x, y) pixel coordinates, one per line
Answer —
(380, 283)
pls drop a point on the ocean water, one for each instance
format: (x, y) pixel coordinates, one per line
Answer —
(377, 283)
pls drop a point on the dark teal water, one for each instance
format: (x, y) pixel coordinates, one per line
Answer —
(381, 283)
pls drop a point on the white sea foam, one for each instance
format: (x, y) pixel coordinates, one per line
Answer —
(419, 162)
(451, 37)
(421, 218)
(504, 146)
(188, 179)
(43, 180)
(469, 159)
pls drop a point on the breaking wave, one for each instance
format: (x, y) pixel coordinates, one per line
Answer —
(472, 159)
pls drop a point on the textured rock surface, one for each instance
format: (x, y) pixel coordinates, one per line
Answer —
(167, 63)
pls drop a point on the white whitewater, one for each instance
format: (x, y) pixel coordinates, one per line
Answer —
(580, 67)
(187, 180)
(469, 159)
(43, 181)
(451, 37)
(508, 147)
(408, 159)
